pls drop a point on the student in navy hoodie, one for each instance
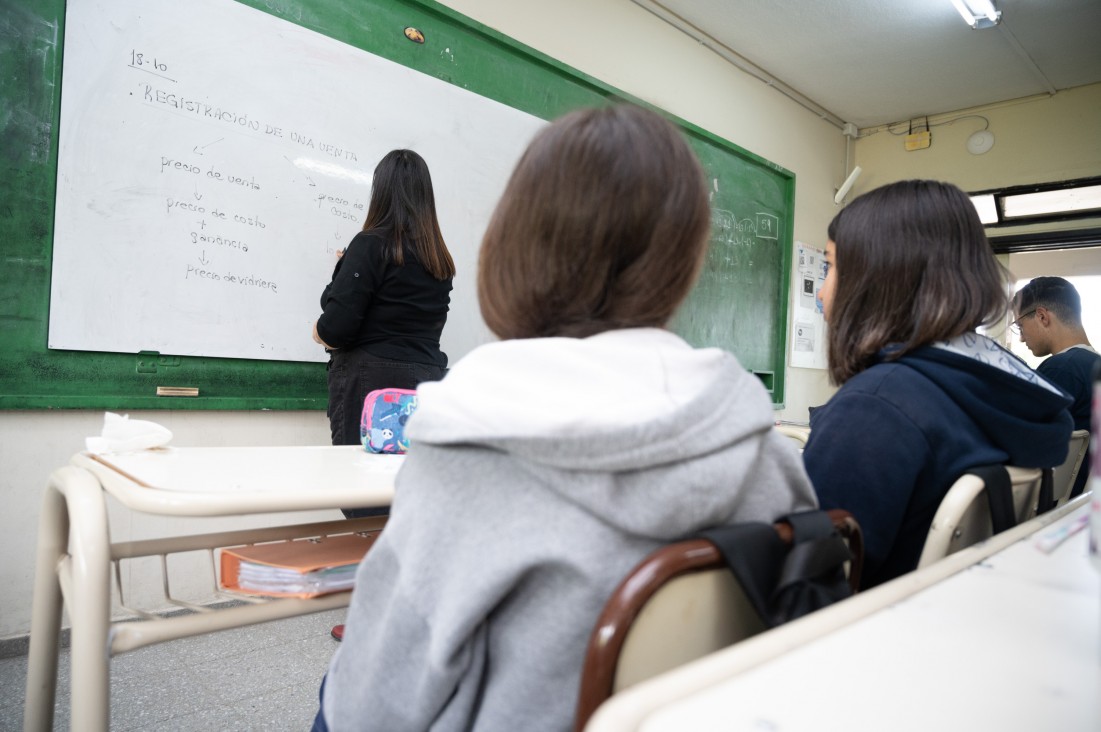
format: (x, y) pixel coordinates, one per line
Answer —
(923, 397)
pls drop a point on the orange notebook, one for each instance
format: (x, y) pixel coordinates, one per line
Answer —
(299, 568)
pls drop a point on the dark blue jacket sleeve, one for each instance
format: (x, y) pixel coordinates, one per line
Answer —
(865, 455)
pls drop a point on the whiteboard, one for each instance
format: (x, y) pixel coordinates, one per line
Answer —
(212, 159)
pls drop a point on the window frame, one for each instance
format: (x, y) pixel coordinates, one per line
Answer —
(1000, 194)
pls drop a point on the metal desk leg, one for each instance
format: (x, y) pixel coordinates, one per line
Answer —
(83, 574)
(89, 601)
(53, 533)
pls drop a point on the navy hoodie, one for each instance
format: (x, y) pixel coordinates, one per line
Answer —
(890, 443)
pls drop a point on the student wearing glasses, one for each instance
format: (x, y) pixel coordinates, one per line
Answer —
(1048, 313)
(923, 396)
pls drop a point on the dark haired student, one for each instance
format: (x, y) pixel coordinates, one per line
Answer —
(547, 464)
(923, 396)
(1048, 317)
(385, 309)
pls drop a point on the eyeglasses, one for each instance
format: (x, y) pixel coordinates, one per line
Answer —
(1015, 326)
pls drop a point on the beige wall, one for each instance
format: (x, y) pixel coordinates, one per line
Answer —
(1059, 263)
(621, 44)
(1037, 140)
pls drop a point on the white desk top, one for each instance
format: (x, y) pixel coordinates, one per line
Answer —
(219, 481)
(1011, 643)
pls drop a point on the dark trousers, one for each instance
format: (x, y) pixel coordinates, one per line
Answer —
(319, 719)
(353, 374)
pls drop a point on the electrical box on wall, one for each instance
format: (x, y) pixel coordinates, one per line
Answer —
(919, 140)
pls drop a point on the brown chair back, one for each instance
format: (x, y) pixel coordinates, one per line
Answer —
(680, 603)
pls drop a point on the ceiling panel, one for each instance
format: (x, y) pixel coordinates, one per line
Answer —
(873, 62)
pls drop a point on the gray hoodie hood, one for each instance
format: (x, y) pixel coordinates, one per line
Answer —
(540, 472)
(636, 412)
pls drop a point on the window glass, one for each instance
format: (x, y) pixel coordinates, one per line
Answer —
(1046, 203)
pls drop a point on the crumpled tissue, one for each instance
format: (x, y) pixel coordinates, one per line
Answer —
(122, 434)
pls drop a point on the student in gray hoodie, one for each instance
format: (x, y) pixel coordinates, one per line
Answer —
(546, 465)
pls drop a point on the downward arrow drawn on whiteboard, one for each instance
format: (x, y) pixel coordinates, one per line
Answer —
(203, 260)
(199, 150)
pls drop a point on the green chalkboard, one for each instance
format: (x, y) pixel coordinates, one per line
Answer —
(740, 303)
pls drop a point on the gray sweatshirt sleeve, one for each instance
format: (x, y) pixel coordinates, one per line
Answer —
(390, 672)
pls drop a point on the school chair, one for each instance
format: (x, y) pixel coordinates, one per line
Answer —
(1064, 475)
(964, 516)
(799, 435)
(680, 603)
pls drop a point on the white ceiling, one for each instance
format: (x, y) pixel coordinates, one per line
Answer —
(874, 62)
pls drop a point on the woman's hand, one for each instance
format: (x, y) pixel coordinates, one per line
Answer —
(317, 338)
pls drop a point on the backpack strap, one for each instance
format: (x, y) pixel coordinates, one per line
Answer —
(781, 582)
(816, 549)
(755, 554)
(1046, 501)
(999, 495)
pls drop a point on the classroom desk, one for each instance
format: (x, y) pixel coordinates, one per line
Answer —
(75, 554)
(1000, 636)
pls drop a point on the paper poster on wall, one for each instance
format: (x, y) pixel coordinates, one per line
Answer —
(808, 342)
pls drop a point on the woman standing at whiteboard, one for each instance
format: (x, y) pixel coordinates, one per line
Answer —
(386, 306)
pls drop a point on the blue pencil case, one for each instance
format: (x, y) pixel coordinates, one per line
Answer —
(382, 426)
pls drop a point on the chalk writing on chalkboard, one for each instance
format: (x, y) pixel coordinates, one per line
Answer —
(737, 285)
(232, 157)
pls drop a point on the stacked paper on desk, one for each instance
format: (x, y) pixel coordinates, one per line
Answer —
(301, 568)
(122, 434)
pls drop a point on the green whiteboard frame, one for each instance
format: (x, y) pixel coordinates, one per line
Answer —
(485, 62)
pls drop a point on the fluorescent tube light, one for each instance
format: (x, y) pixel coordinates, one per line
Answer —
(978, 13)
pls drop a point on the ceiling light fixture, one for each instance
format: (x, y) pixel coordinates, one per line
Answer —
(978, 13)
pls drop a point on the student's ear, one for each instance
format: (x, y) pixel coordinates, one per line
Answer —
(1044, 316)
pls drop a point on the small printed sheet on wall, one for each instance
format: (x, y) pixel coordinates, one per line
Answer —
(808, 332)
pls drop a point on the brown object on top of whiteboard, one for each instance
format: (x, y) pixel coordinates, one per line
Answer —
(187, 391)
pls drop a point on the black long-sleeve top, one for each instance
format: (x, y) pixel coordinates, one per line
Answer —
(396, 312)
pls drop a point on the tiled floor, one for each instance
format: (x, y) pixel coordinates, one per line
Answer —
(262, 677)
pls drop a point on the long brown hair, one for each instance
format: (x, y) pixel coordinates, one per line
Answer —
(403, 209)
(603, 225)
(913, 267)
